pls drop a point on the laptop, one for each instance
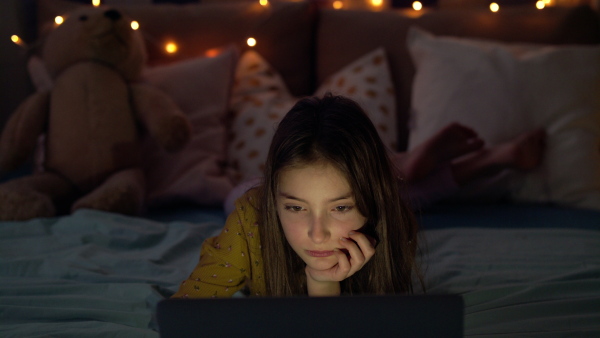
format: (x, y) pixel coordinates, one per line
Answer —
(346, 316)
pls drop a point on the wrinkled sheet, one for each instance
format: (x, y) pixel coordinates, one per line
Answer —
(97, 274)
(92, 274)
(519, 282)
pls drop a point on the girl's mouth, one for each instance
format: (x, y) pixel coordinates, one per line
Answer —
(314, 253)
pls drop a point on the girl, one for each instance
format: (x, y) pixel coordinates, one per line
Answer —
(328, 219)
(454, 163)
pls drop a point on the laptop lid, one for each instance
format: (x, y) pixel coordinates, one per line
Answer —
(347, 316)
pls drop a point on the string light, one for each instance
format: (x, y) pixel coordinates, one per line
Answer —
(417, 5)
(251, 42)
(135, 25)
(338, 4)
(540, 4)
(263, 2)
(494, 7)
(171, 47)
(96, 3)
(59, 20)
(212, 52)
(17, 40)
(377, 3)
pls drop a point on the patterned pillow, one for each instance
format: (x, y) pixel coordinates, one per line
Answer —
(260, 99)
(368, 82)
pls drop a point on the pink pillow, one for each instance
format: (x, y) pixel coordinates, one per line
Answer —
(201, 89)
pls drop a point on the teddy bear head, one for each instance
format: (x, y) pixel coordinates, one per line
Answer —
(97, 34)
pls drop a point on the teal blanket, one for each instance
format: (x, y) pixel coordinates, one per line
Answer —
(97, 274)
(92, 274)
(519, 282)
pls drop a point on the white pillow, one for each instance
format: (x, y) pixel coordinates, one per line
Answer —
(260, 99)
(503, 90)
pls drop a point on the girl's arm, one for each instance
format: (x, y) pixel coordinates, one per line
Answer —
(224, 265)
(214, 276)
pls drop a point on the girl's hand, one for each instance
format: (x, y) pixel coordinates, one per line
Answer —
(358, 250)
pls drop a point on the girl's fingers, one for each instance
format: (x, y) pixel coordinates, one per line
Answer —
(359, 248)
(337, 273)
(356, 255)
(343, 266)
(365, 244)
(357, 258)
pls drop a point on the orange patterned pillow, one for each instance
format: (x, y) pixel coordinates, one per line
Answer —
(368, 82)
(260, 99)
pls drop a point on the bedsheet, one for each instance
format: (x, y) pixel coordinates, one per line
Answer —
(97, 274)
(519, 282)
(92, 274)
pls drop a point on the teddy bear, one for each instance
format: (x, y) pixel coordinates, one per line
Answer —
(94, 119)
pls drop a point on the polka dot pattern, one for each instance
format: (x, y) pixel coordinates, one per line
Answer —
(232, 260)
(260, 99)
(368, 82)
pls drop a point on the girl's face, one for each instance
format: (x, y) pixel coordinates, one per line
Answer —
(316, 208)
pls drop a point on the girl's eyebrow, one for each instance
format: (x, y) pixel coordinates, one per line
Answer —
(291, 197)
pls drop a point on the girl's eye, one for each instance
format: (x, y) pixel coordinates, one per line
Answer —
(343, 208)
(294, 208)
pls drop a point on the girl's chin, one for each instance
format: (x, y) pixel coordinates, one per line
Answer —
(322, 264)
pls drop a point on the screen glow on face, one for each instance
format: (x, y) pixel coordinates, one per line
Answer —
(316, 207)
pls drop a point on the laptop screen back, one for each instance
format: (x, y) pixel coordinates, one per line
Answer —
(348, 316)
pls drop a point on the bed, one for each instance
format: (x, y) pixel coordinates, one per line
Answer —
(526, 267)
(534, 271)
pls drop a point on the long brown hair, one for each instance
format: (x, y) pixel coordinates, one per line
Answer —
(337, 131)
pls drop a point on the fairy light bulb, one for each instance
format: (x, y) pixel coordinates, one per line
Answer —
(251, 42)
(171, 47)
(263, 2)
(338, 4)
(417, 5)
(96, 3)
(18, 41)
(377, 3)
(540, 4)
(135, 25)
(212, 52)
(59, 20)
(494, 7)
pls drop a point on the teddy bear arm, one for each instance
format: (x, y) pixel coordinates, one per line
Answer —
(161, 117)
(22, 130)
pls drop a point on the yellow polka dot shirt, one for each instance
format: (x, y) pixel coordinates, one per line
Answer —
(231, 260)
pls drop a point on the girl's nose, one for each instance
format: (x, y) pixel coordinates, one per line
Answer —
(318, 231)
